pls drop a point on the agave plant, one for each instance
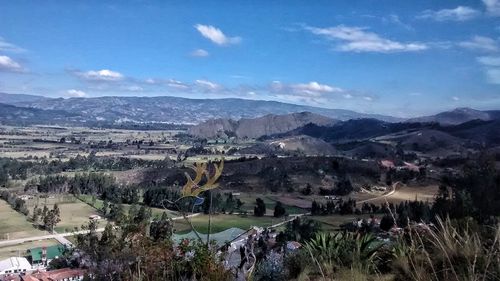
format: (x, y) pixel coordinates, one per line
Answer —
(344, 250)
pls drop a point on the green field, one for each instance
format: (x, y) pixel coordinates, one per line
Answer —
(74, 213)
(14, 225)
(157, 212)
(21, 249)
(222, 222)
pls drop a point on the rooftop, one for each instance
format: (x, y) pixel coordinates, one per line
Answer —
(14, 262)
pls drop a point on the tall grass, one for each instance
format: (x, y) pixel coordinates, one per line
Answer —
(447, 252)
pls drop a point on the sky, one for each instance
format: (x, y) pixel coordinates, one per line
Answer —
(400, 58)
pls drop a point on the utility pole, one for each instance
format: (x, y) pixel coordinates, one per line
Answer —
(209, 218)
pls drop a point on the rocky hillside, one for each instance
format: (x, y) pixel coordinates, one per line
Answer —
(257, 127)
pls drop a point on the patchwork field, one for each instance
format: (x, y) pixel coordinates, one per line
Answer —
(14, 225)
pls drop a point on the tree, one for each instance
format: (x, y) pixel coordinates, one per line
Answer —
(108, 237)
(143, 216)
(301, 230)
(117, 213)
(279, 210)
(52, 218)
(239, 204)
(308, 190)
(230, 203)
(105, 207)
(37, 212)
(260, 209)
(386, 223)
(161, 229)
(45, 211)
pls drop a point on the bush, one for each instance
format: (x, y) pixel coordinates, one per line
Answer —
(270, 269)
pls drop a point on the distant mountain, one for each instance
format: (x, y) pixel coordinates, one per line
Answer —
(19, 98)
(486, 133)
(253, 128)
(457, 116)
(182, 110)
(14, 115)
(351, 130)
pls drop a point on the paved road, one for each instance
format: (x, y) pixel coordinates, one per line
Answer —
(60, 237)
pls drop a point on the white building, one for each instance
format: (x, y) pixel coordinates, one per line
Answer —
(14, 265)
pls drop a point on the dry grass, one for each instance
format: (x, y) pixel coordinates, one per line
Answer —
(448, 253)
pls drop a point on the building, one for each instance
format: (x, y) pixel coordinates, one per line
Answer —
(94, 217)
(14, 265)
(42, 256)
(63, 274)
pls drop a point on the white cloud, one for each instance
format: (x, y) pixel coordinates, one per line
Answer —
(460, 13)
(308, 93)
(480, 43)
(216, 35)
(177, 84)
(455, 98)
(9, 47)
(134, 88)
(103, 75)
(314, 88)
(150, 81)
(493, 75)
(394, 19)
(76, 93)
(9, 65)
(358, 39)
(208, 85)
(489, 61)
(492, 7)
(199, 53)
(171, 83)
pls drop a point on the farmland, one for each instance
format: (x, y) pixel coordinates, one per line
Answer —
(14, 225)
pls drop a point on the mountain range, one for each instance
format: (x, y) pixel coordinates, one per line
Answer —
(168, 109)
(244, 118)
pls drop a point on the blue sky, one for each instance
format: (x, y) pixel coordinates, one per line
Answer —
(402, 58)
